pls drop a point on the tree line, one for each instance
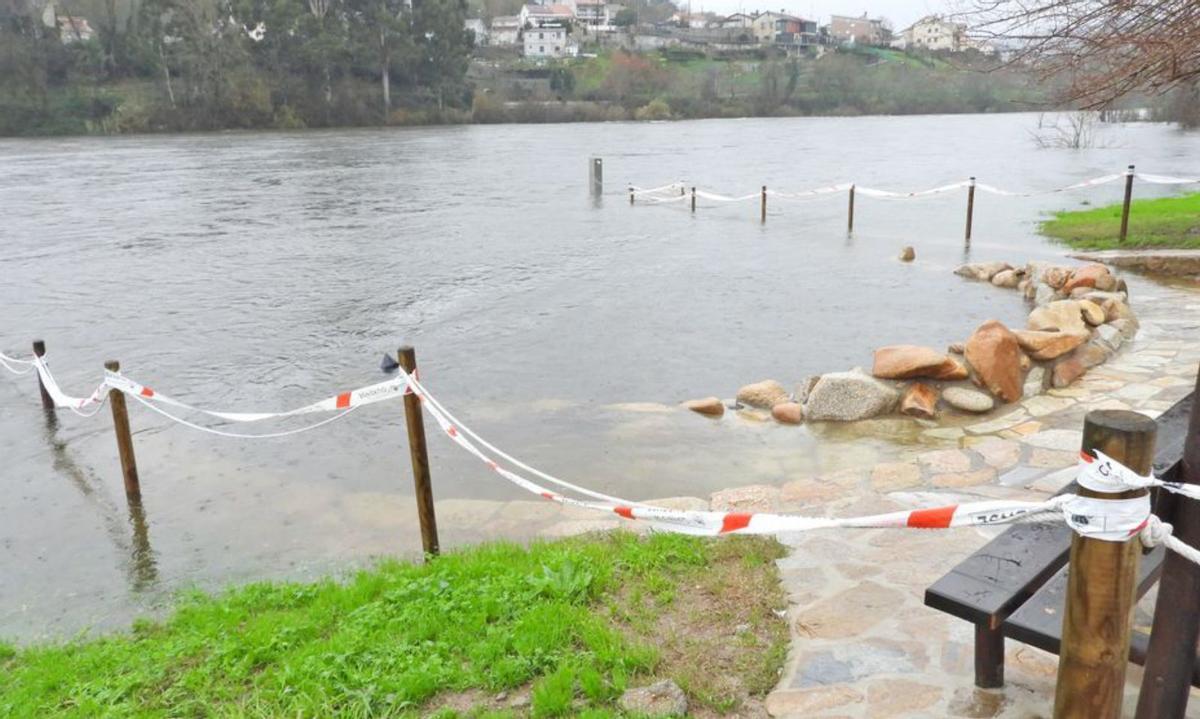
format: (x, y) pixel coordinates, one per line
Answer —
(208, 64)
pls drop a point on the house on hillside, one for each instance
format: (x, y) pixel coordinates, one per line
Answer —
(932, 32)
(548, 41)
(505, 30)
(785, 31)
(74, 29)
(862, 30)
(539, 15)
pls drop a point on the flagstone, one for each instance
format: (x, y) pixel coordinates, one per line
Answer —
(891, 476)
(1043, 405)
(995, 425)
(1137, 391)
(1067, 440)
(945, 460)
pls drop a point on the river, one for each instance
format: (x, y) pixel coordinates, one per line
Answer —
(259, 271)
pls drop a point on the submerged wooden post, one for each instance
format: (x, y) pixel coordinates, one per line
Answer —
(596, 176)
(120, 414)
(39, 350)
(1101, 583)
(1128, 199)
(970, 206)
(420, 456)
(763, 212)
(693, 199)
(1171, 655)
(631, 195)
(850, 214)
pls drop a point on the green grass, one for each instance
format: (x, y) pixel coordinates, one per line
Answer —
(570, 624)
(1171, 222)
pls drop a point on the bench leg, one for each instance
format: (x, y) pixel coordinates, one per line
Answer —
(989, 657)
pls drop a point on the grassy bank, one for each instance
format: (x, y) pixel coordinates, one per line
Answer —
(1171, 222)
(557, 629)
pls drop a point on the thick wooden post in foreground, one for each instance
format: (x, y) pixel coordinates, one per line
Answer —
(1128, 199)
(120, 414)
(763, 212)
(39, 350)
(970, 207)
(420, 456)
(850, 214)
(1171, 655)
(1100, 584)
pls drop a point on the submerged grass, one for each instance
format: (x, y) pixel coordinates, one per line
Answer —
(559, 628)
(1171, 222)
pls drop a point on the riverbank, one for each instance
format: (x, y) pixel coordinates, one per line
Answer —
(1168, 222)
(560, 628)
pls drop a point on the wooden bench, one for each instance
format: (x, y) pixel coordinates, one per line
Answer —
(1014, 585)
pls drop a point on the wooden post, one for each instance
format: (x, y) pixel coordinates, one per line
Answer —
(39, 350)
(763, 211)
(597, 176)
(693, 199)
(1101, 582)
(1128, 199)
(133, 489)
(970, 207)
(630, 195)
(420, 457)
(850, 215)
(1172, 651)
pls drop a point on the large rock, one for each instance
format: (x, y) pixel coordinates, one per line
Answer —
(788, 413)
(709, 406)
(1128, 327)
(1044, 295)
(1092, 313)
(1109, 337)
(983, 271)
(1048, 345)
(1061, 316)
(1115, 309)
(995, 355)
(662, 699)
(1056, 277)
(765, 394)
(1093, 275)
(1087, 293)
(1006, 278)
(804, 386)
(849, 396)
(1035, 382)
(909, 361)
(968, 400)
(908, 254)
(919, 400)
(1067, 370)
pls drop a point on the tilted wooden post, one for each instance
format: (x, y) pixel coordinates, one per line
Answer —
(1128, 199)
(1171, 655)
(39, 350)
(1101, 582)
(763, 211)
(420, 457)
(970, 207)
(850, 214)
(120, 414)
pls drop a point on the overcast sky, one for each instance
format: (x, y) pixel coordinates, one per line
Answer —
(902, 13)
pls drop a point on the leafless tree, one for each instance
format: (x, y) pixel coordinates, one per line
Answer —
(1100, 49)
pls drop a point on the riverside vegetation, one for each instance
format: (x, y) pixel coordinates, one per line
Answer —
(1169, 222)
(176, 65)
(560, 628)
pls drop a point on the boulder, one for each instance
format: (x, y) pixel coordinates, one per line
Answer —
(1109, 337)
(788, 413)
(804, 387)
(908, 254)
(849, 396)
(909, 361)
(764, 395)
(1061, 316)
(1006, 278)
(1044, 295)
(709, 406)
(1128, 327)
(983, 271)
(1115, 309)
(1092, 313)
(1087, 293)
(1026, 363)
(1067, 370)
(968, 400)
(919, 400)
(1093, 275)
(1048, 345)
(995, 355)
(662, 699)
(956, 348)
(1092, 354)
(1035, 382)
(1056, 277)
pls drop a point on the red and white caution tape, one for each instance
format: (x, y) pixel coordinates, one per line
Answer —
(78, 405)
(815, 192)
(1166, 179)
(15, 365)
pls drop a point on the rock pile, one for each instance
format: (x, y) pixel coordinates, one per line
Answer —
(1080, 317)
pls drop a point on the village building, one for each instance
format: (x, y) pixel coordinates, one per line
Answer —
(548, 41)
(505, 30)
(539, 15)
(782, 30)
(861, 30)
(933, 33)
